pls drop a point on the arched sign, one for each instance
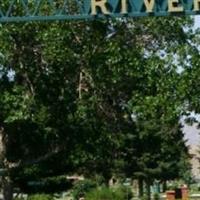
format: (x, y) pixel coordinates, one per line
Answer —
(32, 10)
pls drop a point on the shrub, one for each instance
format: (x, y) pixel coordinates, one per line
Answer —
(105, 193)
(83, 187)
(156, 196)
(40, 197)
(145, 197)
(19, 198)
(126, 190)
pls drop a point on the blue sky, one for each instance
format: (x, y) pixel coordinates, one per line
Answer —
(197, 21)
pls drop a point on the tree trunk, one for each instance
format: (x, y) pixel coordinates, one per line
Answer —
(148, 189)
(140, 186)
(7, 188)
(164, 188)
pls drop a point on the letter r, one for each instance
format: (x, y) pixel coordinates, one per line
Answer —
(101, 4)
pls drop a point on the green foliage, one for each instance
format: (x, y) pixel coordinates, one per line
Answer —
(83, 187)
(104, 193)
(156, 196)
(19, 198)
(127, 191)
(115, 100)
(40, 197)
(145, 197)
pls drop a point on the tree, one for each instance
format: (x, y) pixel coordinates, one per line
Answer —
(91, 99)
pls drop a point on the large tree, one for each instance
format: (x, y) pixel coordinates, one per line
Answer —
(93, 97)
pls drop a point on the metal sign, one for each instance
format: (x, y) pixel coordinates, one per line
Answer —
(43, 10)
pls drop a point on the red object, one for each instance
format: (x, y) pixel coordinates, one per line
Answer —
(185, 193)
(170, 195)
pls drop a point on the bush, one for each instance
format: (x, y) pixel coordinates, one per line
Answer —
(144, 197)
(126, 190)
(40, 197)
(83, 187)
(105, 193)
(19, 198)
(156, 196)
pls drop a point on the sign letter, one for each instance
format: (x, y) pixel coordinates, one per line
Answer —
(124, 9)
(196, 5)
(173, 6)
(101, 4)
(149, 5)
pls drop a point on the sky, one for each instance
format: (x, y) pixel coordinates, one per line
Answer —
(192, 134)
(197, 21)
